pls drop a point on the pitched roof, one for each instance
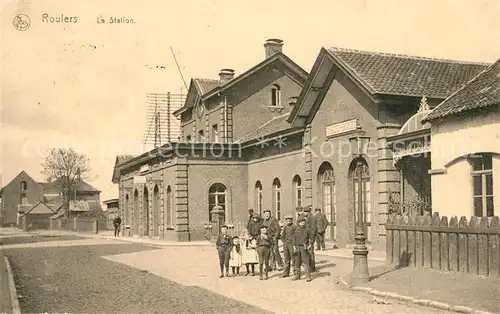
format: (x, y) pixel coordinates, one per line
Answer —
(122, 158)
(39, 208)
(395, 74)
(481, 92)
(205, 85)
(81, 186)
(275, 125)
(209, 87)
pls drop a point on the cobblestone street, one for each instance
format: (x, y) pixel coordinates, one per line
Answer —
(111, 276)
(193, 266)
(75, 279)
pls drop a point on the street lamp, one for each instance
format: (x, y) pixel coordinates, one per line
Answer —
(360, 273)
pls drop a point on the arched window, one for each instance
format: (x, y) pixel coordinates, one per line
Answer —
(136, 213)
(482, 184)
(277, 198)
(156, 211)
(275, 96)
(170, 209)
(126, 211)
(216, 197)
(145, 212)
(326, 185)
(360, 173)
(297, 191)
(23, 199)
(24, 185)
(258, 197)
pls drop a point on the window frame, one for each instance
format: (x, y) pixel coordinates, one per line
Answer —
(483, 174)
(275, 96)
(277, 198)
(215, 133)
(258, 196)
(298, 191)
(216, 195)
(24, 185)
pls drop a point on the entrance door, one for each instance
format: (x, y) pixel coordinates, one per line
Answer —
(326, 180)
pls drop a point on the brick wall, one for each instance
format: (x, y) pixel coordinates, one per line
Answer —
(200, 176)
(11, 197)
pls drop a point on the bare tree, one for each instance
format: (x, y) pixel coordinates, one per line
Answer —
(67, 167)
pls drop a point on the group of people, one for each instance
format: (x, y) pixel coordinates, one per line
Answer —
(259, 244)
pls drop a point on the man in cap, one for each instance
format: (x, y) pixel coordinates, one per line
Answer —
(250, 215)
(264, 244)
(273, 229)
(322, 224)
(254, 226)
(287, 238)
(311, 225)
(302, 241)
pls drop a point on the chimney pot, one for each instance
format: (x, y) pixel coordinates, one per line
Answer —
(292, 101)
(272, 46)
(225, 75)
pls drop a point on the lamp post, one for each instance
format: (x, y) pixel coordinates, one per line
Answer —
(360, 272)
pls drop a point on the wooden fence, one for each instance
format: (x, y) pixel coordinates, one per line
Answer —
(454, 245)
(79, 224)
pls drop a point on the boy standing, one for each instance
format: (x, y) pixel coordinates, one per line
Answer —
(264, 243)
(302, 241)
(223, 245)
(287, 238)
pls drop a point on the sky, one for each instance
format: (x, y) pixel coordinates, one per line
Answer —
(83, 84)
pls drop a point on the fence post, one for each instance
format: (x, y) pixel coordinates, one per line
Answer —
(494, 248)
(395, 240)
(411, 242)
(473, 256)
(419, 243)
(403, 243)
(453, 245)
(462, 247)
(445, 245)
(482, 247)
(427, 243)
(436, 242)
(388, 243)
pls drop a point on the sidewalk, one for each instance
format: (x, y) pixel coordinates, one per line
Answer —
(465, 292)
(5, 304)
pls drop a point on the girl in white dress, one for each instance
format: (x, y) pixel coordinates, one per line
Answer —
(235, 257)
(249, 257)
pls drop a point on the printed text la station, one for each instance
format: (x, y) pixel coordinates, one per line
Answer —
(66, 19)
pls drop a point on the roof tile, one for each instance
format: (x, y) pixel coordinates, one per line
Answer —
(276, 124)
(482, 91)
(384, 73)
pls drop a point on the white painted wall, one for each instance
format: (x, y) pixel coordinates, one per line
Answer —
(455, 138)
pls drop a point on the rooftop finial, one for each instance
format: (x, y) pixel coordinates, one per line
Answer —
(423, 104)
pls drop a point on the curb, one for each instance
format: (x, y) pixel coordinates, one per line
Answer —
(14, 301)
(408, 299)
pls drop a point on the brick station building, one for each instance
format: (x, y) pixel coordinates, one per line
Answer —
(277, 137)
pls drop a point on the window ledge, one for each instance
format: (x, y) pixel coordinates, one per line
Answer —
(437, 171)
(276, 108)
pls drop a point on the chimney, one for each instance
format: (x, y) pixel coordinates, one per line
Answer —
(292, 101)
(226, 75)
(273, 46)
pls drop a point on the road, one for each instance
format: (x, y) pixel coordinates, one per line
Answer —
(112, 277)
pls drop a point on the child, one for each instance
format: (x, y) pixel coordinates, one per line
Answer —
(223, 245)
(264, 243)
(302, 241)
(235, 258)
(249, 256)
